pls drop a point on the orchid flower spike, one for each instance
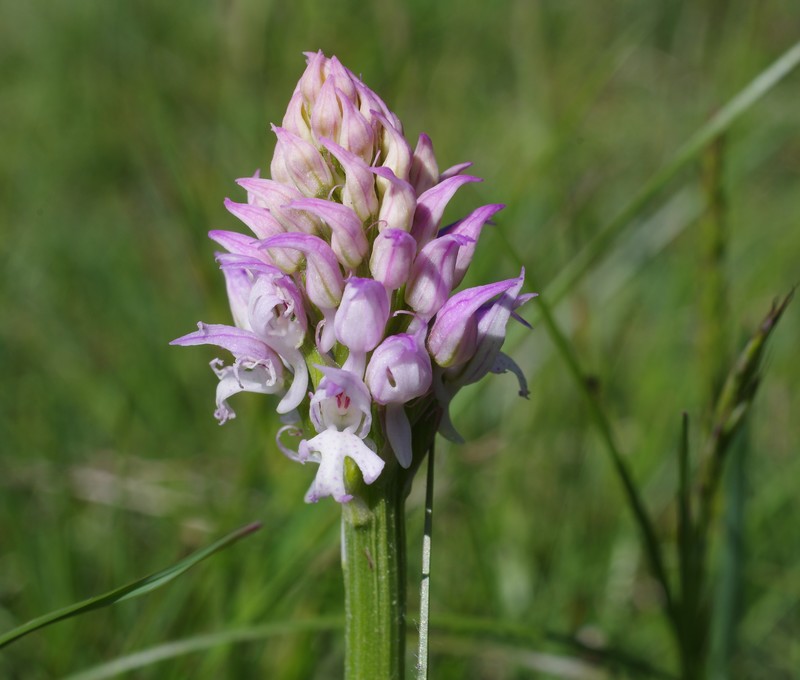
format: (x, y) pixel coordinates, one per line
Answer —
(344, 297)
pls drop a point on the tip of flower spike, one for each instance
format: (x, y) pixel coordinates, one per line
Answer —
(312, 55)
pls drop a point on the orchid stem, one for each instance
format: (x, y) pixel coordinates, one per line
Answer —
(374, 565)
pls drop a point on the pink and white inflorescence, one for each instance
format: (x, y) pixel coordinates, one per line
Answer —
(349, 277)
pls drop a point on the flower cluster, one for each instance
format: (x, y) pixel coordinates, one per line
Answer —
(348, 279)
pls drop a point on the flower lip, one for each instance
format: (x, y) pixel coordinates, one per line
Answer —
(329, 448)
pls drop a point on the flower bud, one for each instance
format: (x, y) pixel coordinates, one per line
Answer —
(399, 370)
(356, 133)
(239, 244)
(372, 107)
(348, 240)
(311, 81)
(266, 193)
(490, 323)
(424, 171)
(362, 315)
(264, 225)
(344, 78)
(324, 282)
(277, 167)
(359, 183)
(303, 164)
(396, 151)
(295, 119)
(326, 112)
(392, 255)
(398, 201)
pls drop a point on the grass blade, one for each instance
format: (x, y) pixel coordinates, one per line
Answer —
(732, 406)
(200, 643)
(521, 637)
(127, 592)
(726, 612)
(576, 268)
(685, 528)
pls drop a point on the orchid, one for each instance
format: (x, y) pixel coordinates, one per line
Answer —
(345, 305)
(347, 281)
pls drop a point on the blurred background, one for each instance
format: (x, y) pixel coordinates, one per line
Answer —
(123, 126)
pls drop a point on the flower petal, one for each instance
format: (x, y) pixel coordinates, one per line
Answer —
(392, 256)
(503, 364)
(239, 342)
(454, 333)
(324, 280)
(424, 171)
(348, 240)
(398, 201)
(431, 205)
(431, 279)
(243, 376)
(398, 432)
(303, 163)
(491, 333)
(471, 227)
(274, 196)
(359, 182)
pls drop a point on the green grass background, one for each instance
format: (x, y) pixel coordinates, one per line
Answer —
(122, 127)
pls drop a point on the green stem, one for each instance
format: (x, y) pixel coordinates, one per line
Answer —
(374, 565)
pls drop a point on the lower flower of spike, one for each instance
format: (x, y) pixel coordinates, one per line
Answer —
(256, 367)
(329, 449)
(341, 413)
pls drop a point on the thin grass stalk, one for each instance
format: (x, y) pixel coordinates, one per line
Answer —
(714, 348)
(598, 416)
(693, 630)
(425, 582)
(684, 623)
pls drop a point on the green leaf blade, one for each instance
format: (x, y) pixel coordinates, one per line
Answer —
(129, 591)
